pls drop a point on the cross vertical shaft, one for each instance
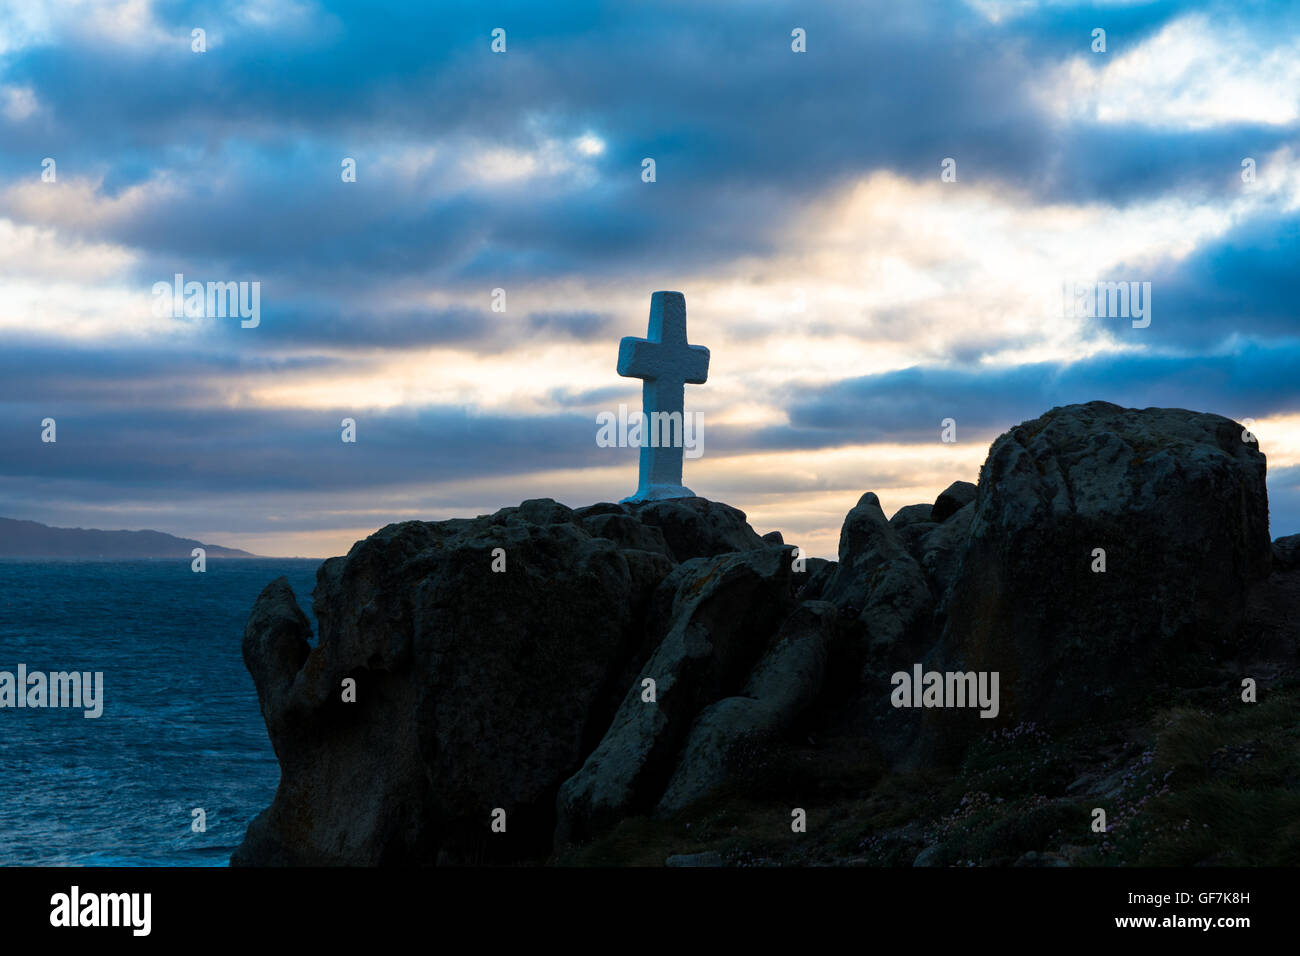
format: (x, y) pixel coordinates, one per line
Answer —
(665, 363)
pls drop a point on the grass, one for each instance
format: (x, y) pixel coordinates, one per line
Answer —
(1196, 782)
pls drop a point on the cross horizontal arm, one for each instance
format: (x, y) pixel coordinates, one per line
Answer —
(641, 358)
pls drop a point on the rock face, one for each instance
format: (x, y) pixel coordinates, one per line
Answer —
(953, 498)
(475, 688)
(721, 613)
(912, 514)
(783, 685)
(1177, 502)
(1286, 552)
(697, 527)
(1273, 612)
(943, 546)
(876, 580)
(578, 667)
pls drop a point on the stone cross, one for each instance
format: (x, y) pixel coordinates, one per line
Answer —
(665, 363)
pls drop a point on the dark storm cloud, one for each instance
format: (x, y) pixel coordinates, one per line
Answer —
(577, 325)
(908, 405)
(198, 451)
(166, 451)
(1246, 283)
(743, 131)
(48, 377)
(299, 325)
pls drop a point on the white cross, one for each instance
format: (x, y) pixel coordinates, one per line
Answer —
(665, 363)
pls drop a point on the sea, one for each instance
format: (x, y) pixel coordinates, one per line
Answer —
(180, 729)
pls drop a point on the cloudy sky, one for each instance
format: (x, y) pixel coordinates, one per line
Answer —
(851, 298)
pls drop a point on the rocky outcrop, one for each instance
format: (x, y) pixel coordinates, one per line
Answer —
(876, 581)
(512, 629)
(574, 668)
(1172, 501)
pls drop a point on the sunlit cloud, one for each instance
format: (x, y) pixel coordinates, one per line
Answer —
(1195, 73)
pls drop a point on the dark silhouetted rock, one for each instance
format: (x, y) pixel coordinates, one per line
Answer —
(817, 572)
(910, 515)
(877, 579)
(474, 689)
(1178, 503)
(697, 527)
(276, 643)
(943, 546)
(783, 685)
(627, 532)
(1273, 612)
(911, 536)
(723, 612)
(524, 689)
(952, 499)
(1286, 552)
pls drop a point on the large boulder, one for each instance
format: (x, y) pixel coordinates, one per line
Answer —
(910, 515)
(952, 499)
(475, 688)
(1177, 502)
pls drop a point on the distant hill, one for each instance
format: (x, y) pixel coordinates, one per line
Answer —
(31, 539)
